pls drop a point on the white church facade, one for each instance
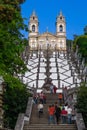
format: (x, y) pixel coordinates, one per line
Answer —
(42, 41)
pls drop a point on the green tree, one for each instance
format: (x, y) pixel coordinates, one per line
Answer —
(12, 44)
(69, 43)
(85, 30)
(75, 36)
(82, 102)
(11, 38)
(81, 41)
(15, 100)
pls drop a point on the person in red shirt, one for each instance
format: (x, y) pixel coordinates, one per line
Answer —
(54, 88)
(51, 111)
(64, 116)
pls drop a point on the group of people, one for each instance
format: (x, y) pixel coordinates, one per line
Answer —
(66, 114)
(54, 112)
(53, 88)
(63, 113)
(57, 113)
(41, 97)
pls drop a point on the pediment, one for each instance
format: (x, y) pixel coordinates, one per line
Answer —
(47, 34)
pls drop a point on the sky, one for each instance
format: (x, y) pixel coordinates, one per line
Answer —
(74, 11)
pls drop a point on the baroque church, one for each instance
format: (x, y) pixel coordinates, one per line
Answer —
(43, 41)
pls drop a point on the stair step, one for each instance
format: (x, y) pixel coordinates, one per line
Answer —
(41, 123)
(50, 127)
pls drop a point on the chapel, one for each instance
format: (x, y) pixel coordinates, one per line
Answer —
(47, 39)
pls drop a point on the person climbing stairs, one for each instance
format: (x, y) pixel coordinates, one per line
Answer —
(41, 123)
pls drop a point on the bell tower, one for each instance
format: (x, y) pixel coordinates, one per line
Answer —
(61, 31)
(33, 24)
(33, 30)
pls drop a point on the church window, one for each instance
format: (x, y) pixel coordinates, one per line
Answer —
(33, 28)
(33, 18)
(61, 28)
(61, 17)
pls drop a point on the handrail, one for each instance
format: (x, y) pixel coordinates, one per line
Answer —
(24, 116)
(80, 122)
(28, 109)
(20, 122)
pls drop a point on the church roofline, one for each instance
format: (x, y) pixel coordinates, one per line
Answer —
(48, 33)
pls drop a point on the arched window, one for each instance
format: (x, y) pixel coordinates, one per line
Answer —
(33, 18)
(61, 17)
(61, 28)
(33, 28)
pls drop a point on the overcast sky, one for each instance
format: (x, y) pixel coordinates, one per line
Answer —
(75, 12)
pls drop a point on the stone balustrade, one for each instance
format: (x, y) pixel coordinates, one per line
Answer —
(24, 116)
(79, 122)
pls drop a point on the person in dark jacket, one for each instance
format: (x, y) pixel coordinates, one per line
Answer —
(57, 113)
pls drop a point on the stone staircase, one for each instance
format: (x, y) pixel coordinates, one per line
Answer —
(41, 123)
(50, 127)
(51, 98)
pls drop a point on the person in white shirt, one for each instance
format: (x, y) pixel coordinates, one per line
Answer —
(66, 106)
(69, 114)
(40, 109)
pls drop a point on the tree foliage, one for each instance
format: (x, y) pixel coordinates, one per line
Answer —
(82, 101)
(15, 100)
(69, 43)
(12, 44)
(81, 41)
(11, 39)
(85, 30)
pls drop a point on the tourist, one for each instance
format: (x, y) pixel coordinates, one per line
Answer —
(57, 113)
(66, 106)
(73, 116)
(64, 116)
(60, 98)
(54, 89)
(35, 98)
(69, 114)
(41, 97)
(40, 108)
(51, 110)
(44, 98)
